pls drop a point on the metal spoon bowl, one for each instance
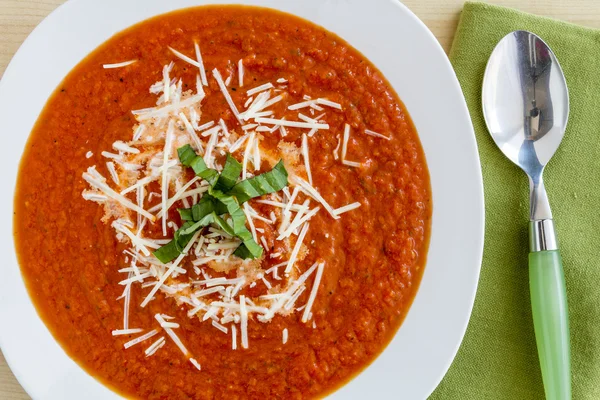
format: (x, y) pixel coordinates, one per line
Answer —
(526, 108)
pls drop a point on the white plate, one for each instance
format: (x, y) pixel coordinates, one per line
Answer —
(398, 43)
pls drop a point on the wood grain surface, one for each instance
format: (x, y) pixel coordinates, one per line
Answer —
(19, 17)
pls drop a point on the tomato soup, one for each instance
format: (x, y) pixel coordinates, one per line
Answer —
(339, 251)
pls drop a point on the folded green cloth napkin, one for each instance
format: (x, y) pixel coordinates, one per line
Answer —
(498, 357)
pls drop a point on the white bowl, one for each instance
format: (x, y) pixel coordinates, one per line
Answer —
(405, 51)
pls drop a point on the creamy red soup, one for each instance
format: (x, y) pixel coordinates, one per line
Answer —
(220, 203)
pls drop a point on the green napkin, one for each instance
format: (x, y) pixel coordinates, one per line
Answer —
(498, 357)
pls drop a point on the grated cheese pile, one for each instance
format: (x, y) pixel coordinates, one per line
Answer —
(146, 183)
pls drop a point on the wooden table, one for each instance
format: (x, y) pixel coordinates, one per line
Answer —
(19, 17)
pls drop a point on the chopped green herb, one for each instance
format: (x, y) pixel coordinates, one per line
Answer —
(229, 175)
(168, 252)
(249, 248)
(185, 214)
(205, 206)
(269, 182)
(239, 223)
(174, 248)
(186, 155)
(242, 252)
(224, 197)
(189, 158)
(208, 219)
(200, 168)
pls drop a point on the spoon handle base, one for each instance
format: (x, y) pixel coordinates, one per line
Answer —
(551, 322)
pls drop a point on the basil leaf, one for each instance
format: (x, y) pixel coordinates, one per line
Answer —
(255, 250)
(198, 165)
(185, 214)
(168, 252)
(233, 208)
(200, 169)
(269, 182)
(252, 249)
(223, 224)
(244, 191)
(225, 196)
(181, 238)
(242, 252)
(205, 206)
(207, 220)
(174, 248)
(186, 155)
(189, 158)
(229, 175)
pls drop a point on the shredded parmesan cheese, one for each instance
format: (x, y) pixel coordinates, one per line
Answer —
(346, 208)
(205, 126)
(100, 185)
(306, 157)
(170, 270)
(297, 223)
(351, 163)
(259, 89)
(329, 103)
(185, 58)
(190, 129)
(313, 293)
(300, 105)
(119, 65)
(247, 152)
(225, 92)
(118, 332)
(171, 334)
(233, 337)
(201, 64)
(345, 148)
(195, 364)
(140, 339)
(241, 72)
(296, 250)
(312, 192)
(292, 124)
(379, 135)
(155, 346)
(244, 321)
(219, 326)
(345, 141)
(113, 172)
(336, 150)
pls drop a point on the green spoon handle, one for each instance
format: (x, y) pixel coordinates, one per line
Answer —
(551, 322)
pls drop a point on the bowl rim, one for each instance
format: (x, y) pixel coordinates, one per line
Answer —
(444, 248)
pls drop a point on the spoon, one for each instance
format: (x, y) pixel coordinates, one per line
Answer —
(526, 107)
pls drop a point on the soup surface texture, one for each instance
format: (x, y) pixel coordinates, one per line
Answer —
(370, 259)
